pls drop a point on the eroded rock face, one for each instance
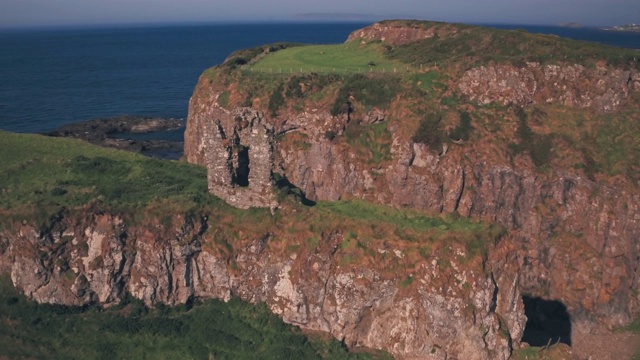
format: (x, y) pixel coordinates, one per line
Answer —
(602, 89)
(577, 239)
(444, 312)
(394, 33)
(570, 238)
(580, 237)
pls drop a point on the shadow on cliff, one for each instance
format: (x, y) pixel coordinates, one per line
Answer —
(548, 322)
(286, 188)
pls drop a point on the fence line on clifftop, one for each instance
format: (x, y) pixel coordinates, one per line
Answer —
(339, 70)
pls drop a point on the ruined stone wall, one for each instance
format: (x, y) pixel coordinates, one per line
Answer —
(236, 147)
(239, 157)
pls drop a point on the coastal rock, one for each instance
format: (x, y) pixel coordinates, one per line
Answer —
(602, 89)
(444, 311)
(112, 133)
(572, 238)
(395, 33)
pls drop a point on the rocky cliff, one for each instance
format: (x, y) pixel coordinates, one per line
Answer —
(337, 281)
(539, 160)
(515, 172)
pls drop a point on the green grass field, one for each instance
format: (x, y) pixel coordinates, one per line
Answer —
(38, 170)
(342, 58)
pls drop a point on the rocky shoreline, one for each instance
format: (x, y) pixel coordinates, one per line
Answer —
(123, 132)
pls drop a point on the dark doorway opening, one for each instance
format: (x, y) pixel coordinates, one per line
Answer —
(548, 322)
(242, 172)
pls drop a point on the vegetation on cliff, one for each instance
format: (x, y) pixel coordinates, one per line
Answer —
(212, 329)
(409, 94)
(532, 131)
(469, 45)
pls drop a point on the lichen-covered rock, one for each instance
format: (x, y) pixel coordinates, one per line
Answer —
(395, 33)
(602, 89)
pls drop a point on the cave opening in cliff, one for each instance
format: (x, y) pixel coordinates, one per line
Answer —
(242, 171)
(548, 322)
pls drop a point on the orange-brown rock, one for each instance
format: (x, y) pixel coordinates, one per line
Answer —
(452, 310)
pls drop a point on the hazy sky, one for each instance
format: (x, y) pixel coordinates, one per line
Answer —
(20, 13)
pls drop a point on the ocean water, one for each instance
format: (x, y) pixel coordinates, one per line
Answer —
(53, 77)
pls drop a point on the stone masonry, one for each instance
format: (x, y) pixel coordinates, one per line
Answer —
(239, 158)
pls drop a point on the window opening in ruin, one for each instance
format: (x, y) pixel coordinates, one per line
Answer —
(242, 172)
(548, 322)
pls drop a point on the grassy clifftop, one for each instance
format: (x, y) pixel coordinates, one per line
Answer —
(442, 43)
(415, 72)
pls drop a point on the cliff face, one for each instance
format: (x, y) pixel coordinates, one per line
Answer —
(467, 309)
(579, 238)
(602, 89)
(574, 235)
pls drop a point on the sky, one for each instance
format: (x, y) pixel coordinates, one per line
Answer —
(44, 13)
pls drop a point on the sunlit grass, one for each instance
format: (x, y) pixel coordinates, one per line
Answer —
(341, 58)
(39, 170)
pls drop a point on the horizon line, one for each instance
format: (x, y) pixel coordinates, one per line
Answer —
(158, 24)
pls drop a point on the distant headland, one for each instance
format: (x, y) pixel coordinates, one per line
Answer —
(628, 27)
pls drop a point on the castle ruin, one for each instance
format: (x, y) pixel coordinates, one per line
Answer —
(240, 158)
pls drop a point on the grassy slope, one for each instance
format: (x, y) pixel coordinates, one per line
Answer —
(475, 45)
(45, 171)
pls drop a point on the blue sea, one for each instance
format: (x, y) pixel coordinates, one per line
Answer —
(53, 77)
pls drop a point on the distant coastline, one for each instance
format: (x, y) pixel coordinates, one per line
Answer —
(626, 28)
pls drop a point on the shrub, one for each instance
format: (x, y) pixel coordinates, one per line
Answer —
(372, 142)
(429, 131)
(276, 100)
(406, 282)
(463, 130)
(223, 99)
(369, 90)
(313, 83)
(330, 135)
(537, 146)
